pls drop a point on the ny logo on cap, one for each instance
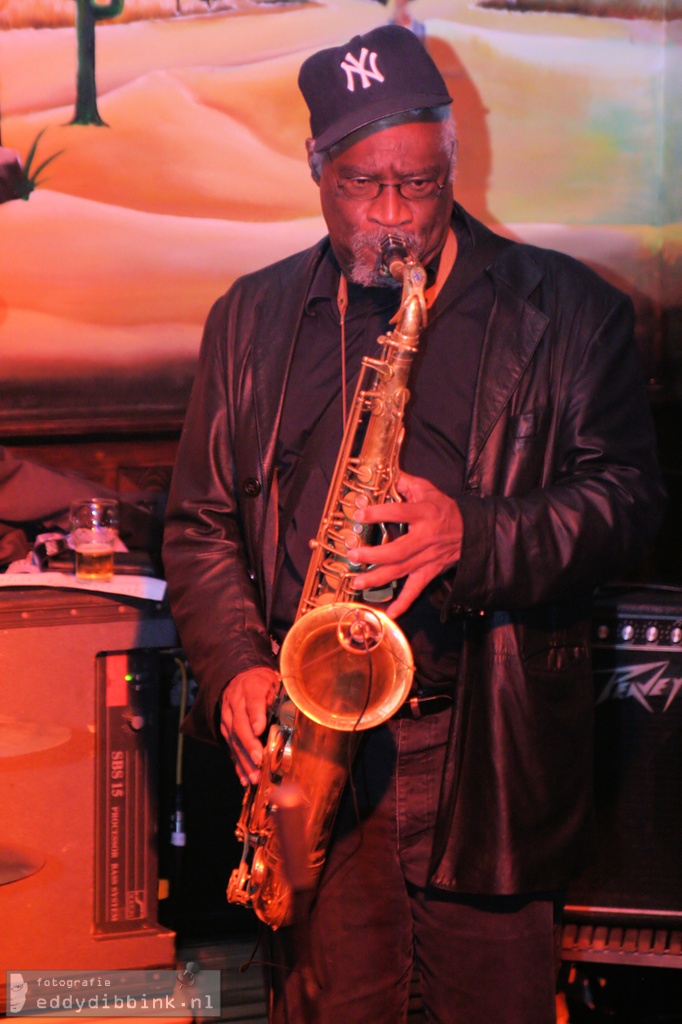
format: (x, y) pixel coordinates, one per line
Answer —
(352, 66)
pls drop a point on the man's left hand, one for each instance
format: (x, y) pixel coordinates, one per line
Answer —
(431, 545)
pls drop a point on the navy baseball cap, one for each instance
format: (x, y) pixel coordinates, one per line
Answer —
(387, 71)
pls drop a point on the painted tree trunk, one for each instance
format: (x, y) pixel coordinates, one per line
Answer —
(88, 13)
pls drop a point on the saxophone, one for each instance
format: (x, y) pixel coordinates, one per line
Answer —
(345, 666)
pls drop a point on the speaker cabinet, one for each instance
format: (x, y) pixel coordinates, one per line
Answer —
(78, 737)
(635, 879)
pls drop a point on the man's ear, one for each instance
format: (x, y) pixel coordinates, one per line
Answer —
(313, 160)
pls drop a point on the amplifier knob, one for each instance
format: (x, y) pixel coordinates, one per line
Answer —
(652, 634)
(603, 632)
(627, 632)
(676, 634)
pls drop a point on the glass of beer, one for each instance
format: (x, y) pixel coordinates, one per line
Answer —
(94, 529)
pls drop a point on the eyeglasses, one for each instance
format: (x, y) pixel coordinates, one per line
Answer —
(367, 189)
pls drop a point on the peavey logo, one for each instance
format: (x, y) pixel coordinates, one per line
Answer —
(352, 66)
(643, 683)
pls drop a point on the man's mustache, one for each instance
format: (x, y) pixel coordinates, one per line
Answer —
(367, 268)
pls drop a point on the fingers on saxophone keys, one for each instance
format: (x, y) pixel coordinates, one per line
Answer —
(247, 751)
(245, 748)
(247, 764)
(235, 753)
(241, 775)
(372, 555)
(366, 581)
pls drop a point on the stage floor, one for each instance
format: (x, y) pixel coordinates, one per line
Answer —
(242, 990)
(589, 993)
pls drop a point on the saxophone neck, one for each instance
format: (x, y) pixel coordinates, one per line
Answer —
(397, 263)
(411, 317)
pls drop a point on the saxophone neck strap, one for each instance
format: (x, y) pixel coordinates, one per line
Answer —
(446, 263)
(342, 303)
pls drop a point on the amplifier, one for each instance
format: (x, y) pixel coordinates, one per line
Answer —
(630, 897)
(78, 770)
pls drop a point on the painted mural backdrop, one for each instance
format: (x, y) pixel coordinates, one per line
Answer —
(160, 148)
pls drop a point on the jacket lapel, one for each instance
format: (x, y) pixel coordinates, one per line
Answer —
(514, 330)
(275, 330)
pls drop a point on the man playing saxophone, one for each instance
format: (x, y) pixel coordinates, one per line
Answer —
(527, 477)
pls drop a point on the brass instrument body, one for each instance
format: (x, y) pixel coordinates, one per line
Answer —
(345, 665)
(317, 759)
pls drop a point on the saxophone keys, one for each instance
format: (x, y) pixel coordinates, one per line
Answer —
(260, 819)
(275, 751)
(350, 539)
(364, 474)
(258, 870)
(237, 889)
(353, 500)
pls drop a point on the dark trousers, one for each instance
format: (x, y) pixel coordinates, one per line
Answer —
(482, 960)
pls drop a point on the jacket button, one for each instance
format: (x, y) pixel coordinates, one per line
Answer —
(251, 487)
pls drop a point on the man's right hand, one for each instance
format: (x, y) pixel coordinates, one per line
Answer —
(244, 716)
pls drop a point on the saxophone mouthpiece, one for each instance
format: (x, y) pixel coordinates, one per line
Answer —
(393, 256)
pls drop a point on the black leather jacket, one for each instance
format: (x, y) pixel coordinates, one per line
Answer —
(562, 492)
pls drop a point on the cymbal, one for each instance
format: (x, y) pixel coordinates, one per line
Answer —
(20, 737)
(16, 863)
